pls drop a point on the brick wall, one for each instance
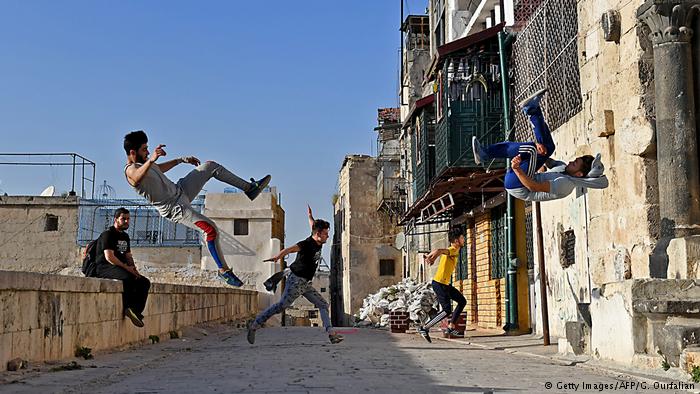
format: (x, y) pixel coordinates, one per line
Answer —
(485, 296)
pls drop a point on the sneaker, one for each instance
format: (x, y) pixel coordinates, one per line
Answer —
(256, 187)
(425, 333)
(230, 278)
(272, 282)
(335, 338)
(451, 332)
(532, 103)
(270, 286)
(251, 335)
(133, 317)
(480, 155)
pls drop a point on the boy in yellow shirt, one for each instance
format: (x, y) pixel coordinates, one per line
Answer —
(445, 292)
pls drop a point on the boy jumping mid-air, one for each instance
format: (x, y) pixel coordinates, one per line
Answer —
(445, 292)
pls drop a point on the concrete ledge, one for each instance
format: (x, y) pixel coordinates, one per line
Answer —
(45, 317)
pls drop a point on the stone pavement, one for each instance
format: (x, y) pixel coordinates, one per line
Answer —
(217, 359)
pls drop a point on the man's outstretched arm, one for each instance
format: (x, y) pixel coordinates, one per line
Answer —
(172, 163)
(528, 182)
(311, 217)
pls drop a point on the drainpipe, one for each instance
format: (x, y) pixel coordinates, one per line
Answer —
(511, 275)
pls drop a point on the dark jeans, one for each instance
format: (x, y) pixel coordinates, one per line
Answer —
(445, 295)
(135, 290)
(532, 161)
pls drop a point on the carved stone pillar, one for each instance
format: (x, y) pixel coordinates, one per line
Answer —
(670, 22)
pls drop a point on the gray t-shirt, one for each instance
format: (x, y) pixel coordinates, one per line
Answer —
(560, 185)
(158, 189)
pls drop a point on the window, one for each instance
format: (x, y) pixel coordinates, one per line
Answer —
(567, 248)
(323, 289)
(386, 267)
(463, 262)
(313, 314)
(50, 222)
(240, 226)
(499, 255)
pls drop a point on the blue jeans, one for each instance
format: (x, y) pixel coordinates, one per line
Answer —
(527, 151)
(293, 289)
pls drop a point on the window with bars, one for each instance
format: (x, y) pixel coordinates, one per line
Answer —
(545, 55)
(529, 236)
(463, 262)
(499, 254)
(240, 226)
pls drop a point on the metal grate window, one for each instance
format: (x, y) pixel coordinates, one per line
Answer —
(240, 226)
(499, 254)
(463, 262)
(545, 55)
(529, 236)
(568, 248)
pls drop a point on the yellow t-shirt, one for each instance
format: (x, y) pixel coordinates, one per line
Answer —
(447, 265)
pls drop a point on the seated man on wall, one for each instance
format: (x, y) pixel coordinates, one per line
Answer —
(114, 261)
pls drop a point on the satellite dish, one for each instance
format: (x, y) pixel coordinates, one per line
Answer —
(48, 192)
(400, 241)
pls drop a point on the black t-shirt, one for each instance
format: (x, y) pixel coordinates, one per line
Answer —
(308, 256)
(115, 240)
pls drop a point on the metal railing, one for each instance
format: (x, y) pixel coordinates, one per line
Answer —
(76, 161)
(146, 229)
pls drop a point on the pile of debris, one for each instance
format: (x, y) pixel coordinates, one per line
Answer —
(418, 299)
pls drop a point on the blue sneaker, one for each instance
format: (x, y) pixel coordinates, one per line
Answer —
(532, 103)
(257, 187)
(480, 155)
(230, 278)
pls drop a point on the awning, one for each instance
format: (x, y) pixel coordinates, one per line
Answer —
(468, 190)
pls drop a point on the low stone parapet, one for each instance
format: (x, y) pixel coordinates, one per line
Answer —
(46, 317)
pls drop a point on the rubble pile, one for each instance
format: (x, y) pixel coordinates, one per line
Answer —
(418, 299)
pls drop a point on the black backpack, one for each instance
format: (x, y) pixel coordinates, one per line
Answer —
(90, 259)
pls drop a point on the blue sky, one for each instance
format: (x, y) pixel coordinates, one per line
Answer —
(279, 87)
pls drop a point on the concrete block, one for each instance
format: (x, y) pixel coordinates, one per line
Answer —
(690, 358)
(564, 347)
(684, 258)
(578, 334)
(678, 333)
(68, 341)
(20, 344)
(5, 350)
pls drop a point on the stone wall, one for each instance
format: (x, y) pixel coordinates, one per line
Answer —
(171, 257)
(245, 253)
(615, 229)
(45, 317)
(38, 234)
(367, 236)
(485, 295)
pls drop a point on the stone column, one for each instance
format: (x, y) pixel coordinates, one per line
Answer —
(670, 23)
